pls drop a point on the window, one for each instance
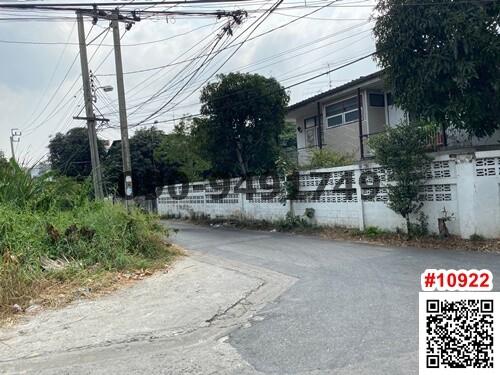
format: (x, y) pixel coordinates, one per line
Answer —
(390, 99)
(310, 122)
(377, 100)
(342, 112)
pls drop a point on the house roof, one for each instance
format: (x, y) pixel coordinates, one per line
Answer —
(336, 90)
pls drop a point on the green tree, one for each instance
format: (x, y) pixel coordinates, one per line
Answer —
(244, 117)
(182, 149)
(402, 150)
(288, 142)
(441, 59)
(112, 174)
(70, 153)
(148, 173)
(288, 136)
(3, 160)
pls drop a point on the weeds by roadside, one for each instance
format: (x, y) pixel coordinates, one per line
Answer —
(52, 234)
(421, 238)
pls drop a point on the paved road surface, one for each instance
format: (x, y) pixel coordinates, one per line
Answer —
(173, 323)
(244, 303)
(353, 309)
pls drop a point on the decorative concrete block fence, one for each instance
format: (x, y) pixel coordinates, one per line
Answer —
(464, 187)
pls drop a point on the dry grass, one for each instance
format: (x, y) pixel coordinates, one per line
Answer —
(400, 240)
(53, 236)
(377, 237)
(60, 288)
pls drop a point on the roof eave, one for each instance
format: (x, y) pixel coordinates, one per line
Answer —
(349, 85)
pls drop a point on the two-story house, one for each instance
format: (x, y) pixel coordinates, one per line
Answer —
(342, 119)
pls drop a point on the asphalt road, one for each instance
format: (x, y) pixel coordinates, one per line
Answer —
(353, 309)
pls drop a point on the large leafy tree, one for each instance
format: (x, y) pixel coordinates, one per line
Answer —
(148, 172)
(244, 117)
(112, 174)
(69, 154)
(3, 160)
(442, 59)
(182, 149)
(288, 142)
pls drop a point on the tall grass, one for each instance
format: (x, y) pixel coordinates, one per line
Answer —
(53, 218)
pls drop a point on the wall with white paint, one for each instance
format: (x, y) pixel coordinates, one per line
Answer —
(464, 187)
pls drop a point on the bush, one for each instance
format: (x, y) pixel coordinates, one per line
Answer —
(292, 222)
(370, 232)
(402, 151)
(373, 232)
(55, 220)
(323, 158)
(421, 228)
(476, 238)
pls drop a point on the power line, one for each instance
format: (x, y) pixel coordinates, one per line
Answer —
(141, 83)
(286, 88)
(285, 52)
(320, 18)
(230, 46)
(109, 53)
(61, 105)
(189, 77)
(151, 98)
(26, 42)
(157, 112)
(30, 130)
(278, 78)
(200, 68)
(258, 22)
(227, 59)
(111, 4)
(224, 31)
(56, 67)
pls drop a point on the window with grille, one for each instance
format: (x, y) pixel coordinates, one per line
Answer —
(341, 113)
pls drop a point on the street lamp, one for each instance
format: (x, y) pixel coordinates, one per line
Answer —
(107, 88)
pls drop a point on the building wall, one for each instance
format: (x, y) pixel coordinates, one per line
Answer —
(342, 139)
(465, 187)
(394, 115)
(376, 119)
(345, 139)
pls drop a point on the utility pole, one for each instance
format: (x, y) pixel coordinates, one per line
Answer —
(127, 164)
(14, 137)
(89, 111)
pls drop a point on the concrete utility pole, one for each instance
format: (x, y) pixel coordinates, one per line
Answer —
(14, 137)
(89, 111)
(127, 164)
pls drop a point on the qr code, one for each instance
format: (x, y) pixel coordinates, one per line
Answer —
(457, 331)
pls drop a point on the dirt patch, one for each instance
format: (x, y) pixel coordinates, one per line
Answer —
(395, 239)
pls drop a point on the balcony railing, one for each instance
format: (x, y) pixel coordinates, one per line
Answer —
(436, 138)
(435, 141)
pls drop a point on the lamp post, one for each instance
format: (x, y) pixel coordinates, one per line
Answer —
(107, 88)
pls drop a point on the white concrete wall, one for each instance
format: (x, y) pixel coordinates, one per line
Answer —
(466, 186)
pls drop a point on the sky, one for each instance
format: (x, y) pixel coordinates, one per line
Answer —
(40, 72)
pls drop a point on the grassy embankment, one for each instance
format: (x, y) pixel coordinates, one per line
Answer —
(53, 235)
